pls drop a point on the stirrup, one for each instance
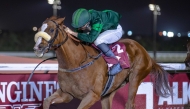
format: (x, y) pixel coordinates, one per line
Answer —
(115, 69)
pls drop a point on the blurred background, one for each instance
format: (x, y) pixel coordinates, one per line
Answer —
(161, 26)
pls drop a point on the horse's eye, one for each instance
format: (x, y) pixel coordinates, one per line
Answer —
(51, 30)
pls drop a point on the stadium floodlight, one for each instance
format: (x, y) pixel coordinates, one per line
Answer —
(164, 33)
(151, 7)
(170, 34)
(56, 6)
(156, 8)
(51, 1)
(156, 11)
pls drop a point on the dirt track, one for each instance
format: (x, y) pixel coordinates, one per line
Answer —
(21, 60)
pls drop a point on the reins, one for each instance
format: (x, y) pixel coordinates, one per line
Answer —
(50, 44)
(73, 38)
(80, 67)
(31, 74)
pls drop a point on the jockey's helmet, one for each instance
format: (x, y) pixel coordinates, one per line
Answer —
(80, 18)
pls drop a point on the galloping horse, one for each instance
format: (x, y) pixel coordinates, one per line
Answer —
(87, 83)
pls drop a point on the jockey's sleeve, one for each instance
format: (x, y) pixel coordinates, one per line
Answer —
(95, 31)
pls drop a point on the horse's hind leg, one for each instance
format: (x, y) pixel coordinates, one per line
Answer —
(57, 97)
(131, 95)
(134, 81)
(107, 101)
(89, 100)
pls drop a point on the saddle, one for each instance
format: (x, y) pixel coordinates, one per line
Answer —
(119, 50)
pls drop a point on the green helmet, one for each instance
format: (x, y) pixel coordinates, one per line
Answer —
(80, 18)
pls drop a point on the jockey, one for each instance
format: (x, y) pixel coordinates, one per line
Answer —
(101, 28)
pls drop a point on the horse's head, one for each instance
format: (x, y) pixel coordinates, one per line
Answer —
(47, 37)
(187, 60)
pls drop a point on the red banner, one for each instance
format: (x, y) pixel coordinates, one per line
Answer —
(15, 93)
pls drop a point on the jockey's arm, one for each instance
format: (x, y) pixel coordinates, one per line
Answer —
(88, 37)
(68, 30)
(74, 33)
(93, 34)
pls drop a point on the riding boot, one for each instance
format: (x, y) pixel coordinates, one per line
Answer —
(116, 68)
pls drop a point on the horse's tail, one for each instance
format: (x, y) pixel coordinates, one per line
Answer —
(160, 78)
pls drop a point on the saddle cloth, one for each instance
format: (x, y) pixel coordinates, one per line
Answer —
(119, 50)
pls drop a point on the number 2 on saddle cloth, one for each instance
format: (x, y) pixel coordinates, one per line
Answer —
(119, 50)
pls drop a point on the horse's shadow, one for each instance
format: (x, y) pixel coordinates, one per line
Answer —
(71, 105)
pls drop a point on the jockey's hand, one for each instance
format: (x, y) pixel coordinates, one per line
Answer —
(68, 30)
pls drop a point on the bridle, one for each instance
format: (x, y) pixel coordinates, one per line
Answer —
(50, 42)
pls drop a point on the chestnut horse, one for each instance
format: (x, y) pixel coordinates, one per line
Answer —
(88, 83)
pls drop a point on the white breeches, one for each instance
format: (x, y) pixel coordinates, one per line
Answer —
(109, 36)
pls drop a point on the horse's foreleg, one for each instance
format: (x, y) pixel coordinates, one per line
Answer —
(107, 101)
(89, 100)
(57, 97)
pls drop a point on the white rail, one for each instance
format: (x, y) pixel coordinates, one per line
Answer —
(166, 56)
(45, 67)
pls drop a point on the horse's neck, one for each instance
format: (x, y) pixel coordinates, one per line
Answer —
(69, 55)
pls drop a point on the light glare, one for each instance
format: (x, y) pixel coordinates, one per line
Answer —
(170, 34)
(51, 1)
(164, 33)
(151, 7)
(158, 7)
(129, 33)
(188, 34)
(35, 28)
(179, 34)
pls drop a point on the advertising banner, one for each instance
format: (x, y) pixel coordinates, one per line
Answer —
(15, 93)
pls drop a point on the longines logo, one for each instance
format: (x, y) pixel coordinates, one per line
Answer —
(21, 106)
(16, 92)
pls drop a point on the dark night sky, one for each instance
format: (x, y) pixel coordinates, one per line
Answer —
(19, 15)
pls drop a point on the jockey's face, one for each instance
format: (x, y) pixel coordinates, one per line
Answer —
(85, 27)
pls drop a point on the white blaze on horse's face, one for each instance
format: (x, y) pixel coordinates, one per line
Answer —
(42, 33)
(44, 26)
(40, 51)
(38, 43)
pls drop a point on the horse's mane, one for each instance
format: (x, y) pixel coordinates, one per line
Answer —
(52, 18)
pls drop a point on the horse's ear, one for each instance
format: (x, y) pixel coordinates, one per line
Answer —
(60, 20)
(53, 17)
(46, 19)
